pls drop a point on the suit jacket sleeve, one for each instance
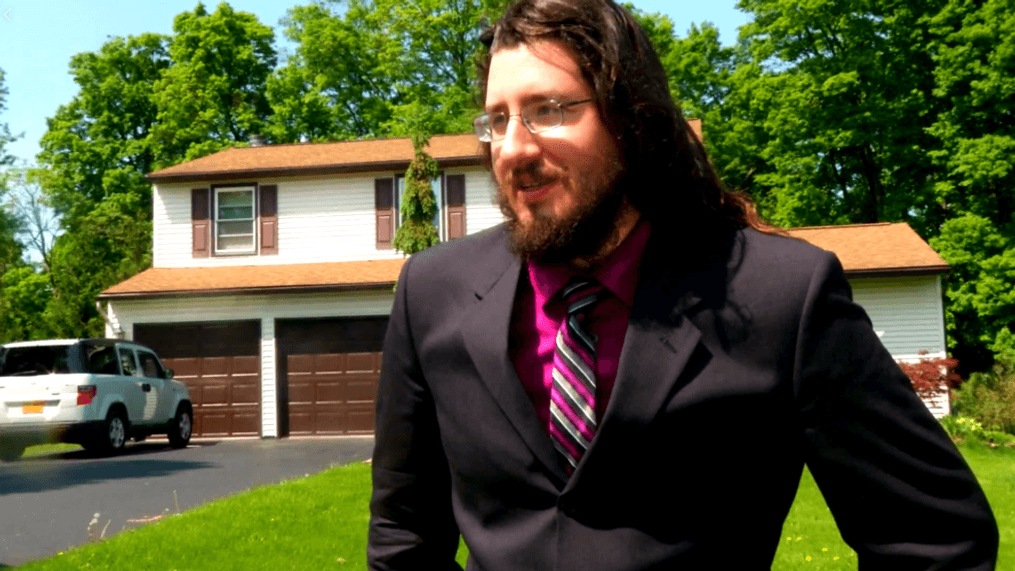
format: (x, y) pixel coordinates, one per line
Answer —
(901, 494)
(411, 523)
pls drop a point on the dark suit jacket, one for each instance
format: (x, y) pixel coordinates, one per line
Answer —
(745, 358)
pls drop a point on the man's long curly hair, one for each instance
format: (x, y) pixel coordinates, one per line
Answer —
(666, 173)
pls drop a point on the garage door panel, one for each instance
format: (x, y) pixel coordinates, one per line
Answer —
(220, 364)
(300, 422)
(247, 366)
(216, 366)
(214, 394)
(300, 364)
(362, 391)
(301, 390)
(183, 368)
(246, 423)
(245, 392)
(329, 362)
(330, 392)
(361, 419)
(214, 423)
(360, 362)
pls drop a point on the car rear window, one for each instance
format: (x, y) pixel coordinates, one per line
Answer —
(31, 361)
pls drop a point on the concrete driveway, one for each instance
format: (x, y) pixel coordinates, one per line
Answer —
(48, 501)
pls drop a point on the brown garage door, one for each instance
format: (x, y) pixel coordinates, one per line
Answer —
(330, 369)
(220, 365)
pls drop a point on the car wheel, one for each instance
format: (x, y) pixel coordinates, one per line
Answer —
(113, 435)
(181, 427)
(11, 452)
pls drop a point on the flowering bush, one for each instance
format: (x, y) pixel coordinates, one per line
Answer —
(961, 427)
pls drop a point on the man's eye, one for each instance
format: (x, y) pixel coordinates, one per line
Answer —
(498, 122)
(544, 110)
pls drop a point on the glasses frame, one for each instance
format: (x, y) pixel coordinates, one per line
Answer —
(488, 136)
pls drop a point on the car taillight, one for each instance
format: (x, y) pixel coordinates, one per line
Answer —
(85, 394)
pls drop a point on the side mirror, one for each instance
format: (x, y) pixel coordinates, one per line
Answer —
(169, 373)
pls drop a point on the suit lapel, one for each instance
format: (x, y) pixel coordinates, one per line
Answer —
(659, 343)
(485, 331)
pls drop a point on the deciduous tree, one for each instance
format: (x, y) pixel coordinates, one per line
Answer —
(213, 94)
(98, 145)
(846, 95)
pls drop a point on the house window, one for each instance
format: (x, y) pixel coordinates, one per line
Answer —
(234, 220)
(449, 190)
(438, 191)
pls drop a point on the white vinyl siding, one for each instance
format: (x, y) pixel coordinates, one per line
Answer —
(269, 379)
(907, 311)
(481, 211)
(320, 219)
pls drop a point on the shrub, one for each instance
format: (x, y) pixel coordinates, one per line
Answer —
(931, 377)
(961, 427)
(989, 397)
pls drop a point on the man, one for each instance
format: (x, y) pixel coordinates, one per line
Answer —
(628, 374)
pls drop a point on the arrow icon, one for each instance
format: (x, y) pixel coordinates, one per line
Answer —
(7, 15)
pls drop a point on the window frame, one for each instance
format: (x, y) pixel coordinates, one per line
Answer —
(160, 370)
(253, 188)
(127, 351)
(439, 187)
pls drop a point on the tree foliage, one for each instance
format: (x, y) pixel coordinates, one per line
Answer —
(99, 144)
(213, 94)
(10, 249)
(419, 205)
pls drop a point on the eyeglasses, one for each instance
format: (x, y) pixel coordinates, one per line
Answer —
(537, 118)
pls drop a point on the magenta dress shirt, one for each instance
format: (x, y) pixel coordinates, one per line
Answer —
(538, 313)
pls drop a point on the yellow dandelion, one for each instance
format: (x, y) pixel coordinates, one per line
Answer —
(824, 549)
(808, 557)
(787, 539)
(836, 558)
(799, 538)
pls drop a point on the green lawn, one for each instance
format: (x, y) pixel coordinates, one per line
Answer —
(46, 448)
(320, 523)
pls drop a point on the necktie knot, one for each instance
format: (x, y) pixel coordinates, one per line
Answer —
(581, 294)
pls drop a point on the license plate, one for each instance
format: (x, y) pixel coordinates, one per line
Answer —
(32, 407)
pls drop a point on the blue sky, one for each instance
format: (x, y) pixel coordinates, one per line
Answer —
(37, 43)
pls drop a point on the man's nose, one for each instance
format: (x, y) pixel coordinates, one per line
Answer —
(519, 144)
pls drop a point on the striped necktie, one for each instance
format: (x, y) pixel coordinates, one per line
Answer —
(573, 394)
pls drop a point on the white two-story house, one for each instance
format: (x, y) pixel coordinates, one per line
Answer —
(273, 270)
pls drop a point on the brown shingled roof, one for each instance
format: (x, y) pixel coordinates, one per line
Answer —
(330, 276)
(320, 158)
(863, 249)
(875, 248)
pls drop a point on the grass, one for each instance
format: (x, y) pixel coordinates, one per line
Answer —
(320, 523)
(47, 448)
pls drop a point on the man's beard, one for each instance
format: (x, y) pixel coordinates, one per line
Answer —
(581, 233)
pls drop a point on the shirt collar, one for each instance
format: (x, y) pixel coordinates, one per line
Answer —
(618, 273)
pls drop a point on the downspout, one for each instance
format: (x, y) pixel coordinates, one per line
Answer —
(109, 323)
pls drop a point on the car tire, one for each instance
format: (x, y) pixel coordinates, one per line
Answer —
(114, 434)
(181, 427)
(11, 452)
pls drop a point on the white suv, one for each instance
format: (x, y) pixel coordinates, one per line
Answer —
(95, 392)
